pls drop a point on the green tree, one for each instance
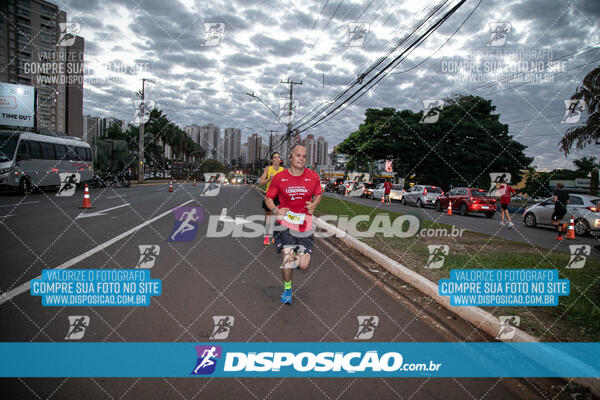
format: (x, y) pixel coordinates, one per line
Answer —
(461, 148)
(582, 135)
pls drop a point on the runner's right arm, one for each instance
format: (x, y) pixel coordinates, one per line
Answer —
(264, 178)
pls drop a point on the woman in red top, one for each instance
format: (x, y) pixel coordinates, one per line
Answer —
(505, 191)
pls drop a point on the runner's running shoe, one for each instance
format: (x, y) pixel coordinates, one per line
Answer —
(266, 241)
(286, 296)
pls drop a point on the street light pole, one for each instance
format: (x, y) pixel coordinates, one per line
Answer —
(141, 136)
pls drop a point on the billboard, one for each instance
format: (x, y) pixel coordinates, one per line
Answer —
(17, 105)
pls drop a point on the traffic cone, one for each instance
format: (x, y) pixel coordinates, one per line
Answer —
(194, 182)
(383, 198)
(86, 198)
(449, 212)
(571, 230)
(170, 186)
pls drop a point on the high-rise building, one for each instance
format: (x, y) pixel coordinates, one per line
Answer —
(193, 132)
(232, 144)
(311, 150)
(254, 148)
(322, 149)
(244, 153)
(209, 136)
(110, 121)
(29, 55)
(92, 128)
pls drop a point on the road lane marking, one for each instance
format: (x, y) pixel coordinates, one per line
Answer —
(25, 287)
(20, 204)
(101, 212)
(119, 195)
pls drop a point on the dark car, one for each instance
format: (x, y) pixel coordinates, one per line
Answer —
(467, 200)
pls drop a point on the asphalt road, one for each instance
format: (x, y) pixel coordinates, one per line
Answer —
(539, 236)
(207, 277)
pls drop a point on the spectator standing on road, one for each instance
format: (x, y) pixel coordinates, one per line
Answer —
(387, 189)
(266, 178)
(505, 191)
(561, 199)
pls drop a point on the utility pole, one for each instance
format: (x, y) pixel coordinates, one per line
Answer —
(141, 137)
(270, 141)
(288, 133)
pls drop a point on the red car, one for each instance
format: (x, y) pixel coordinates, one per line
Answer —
(468, 200)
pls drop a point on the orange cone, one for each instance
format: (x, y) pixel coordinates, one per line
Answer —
(571, 230)
(170, 186)
(449, 212)
(86, 198)
(383, 198)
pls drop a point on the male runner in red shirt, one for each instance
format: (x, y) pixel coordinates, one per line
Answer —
(299, 192)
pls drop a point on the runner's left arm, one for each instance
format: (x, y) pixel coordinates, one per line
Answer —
(312, 205)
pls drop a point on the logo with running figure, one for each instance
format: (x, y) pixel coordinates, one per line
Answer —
(68, 33)
(148, 255)
(187, 220)
(213, 32)
(579, 253)
(212, 185)
(207, 359)
(366, 326)
(68, 184)
(431, 111)
(357, 33)
(573, 111)
(508, 324)
(77, 326)
(223, 324)
(499, 32)
(437, 255)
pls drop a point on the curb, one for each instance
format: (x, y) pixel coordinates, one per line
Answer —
(478, 317)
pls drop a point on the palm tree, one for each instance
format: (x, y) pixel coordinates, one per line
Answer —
(582, 135)
(586, 164)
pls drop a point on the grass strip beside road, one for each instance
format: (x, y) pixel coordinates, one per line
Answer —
(576, 318)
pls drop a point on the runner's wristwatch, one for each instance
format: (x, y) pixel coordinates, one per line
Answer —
(274, 210)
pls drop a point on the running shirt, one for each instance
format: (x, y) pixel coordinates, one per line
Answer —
(507, 191)
(388, 187)
(562, 199)
(293, 193)
(272, 172)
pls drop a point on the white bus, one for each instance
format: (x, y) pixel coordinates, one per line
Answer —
(29, 160)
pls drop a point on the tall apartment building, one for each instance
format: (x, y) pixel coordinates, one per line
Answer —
(254, 148)
(92, 128)
(322, 150)
(29, 55)
(244, 153)
(311, 150)
(209, 136)
(232, 143)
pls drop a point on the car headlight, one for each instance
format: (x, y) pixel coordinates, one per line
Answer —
(5, 170)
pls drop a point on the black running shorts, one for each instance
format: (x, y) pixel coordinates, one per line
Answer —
(284, 237)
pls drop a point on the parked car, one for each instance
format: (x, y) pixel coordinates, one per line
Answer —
(422, 195)
(396, 192)
(467, 200)
(584, 208)
(324, 183)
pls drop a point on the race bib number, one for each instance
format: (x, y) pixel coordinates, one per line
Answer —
(294, 218)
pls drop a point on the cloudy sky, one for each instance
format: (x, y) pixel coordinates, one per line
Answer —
(265, 42)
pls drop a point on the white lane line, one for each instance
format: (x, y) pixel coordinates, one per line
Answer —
(20, 204)
(25, 287)
(9, 215)
(119, 195)
(101, 212)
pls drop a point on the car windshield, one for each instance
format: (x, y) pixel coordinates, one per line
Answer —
(8, 143)
(431, 189)
(397, 187)
(478, 193)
